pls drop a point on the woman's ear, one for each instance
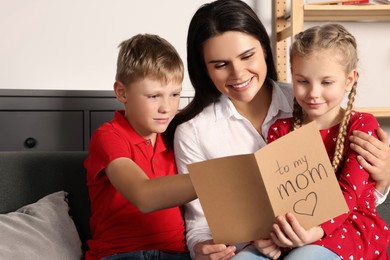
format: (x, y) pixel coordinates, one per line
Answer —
(351, 79)
(120, 91)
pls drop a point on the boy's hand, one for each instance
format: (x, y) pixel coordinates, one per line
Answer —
(208, 250)
(289, 233)
(268, 248)
(374, 156)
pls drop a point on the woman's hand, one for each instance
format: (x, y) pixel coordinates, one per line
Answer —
(374, 156)
(208, 250)
(289, 233)
(268, 248)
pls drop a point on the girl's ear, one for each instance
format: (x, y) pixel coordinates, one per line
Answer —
(120, 91)
(351, 79)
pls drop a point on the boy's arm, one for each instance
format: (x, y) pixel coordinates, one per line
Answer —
(374, 156)
(146, 194)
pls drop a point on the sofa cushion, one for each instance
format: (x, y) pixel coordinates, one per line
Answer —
(27, 176)
(41, 230)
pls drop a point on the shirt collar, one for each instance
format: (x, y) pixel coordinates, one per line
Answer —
(279, 101)
(132, 136)
(225, 108)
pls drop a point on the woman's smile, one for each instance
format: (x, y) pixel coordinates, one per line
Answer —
(241, 86)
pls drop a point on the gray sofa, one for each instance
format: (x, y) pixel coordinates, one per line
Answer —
(45, 230)
(384, 212)
(27, 177)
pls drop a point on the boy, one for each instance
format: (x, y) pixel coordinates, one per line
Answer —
(127, 155)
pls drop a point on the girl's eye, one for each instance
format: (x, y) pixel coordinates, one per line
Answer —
(176, 95)
(327, 83)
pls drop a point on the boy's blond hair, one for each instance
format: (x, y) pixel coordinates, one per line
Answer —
(147, 55)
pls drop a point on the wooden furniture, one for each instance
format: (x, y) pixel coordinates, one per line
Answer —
(287, 25)
(54, 120)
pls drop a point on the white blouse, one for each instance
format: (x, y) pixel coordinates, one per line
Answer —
(219, 131)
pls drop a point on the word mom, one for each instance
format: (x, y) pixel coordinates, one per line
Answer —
(300, 176)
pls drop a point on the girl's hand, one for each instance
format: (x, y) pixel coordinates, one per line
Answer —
(268, 248)
(289, 233)
(374, 156)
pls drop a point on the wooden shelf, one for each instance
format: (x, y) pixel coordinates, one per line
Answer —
(346, 13)
(376, 111)
(301, 13)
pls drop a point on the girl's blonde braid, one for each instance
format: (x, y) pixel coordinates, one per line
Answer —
(343, 129)
(297, 116)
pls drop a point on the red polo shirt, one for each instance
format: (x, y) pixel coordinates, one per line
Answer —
(116, 224)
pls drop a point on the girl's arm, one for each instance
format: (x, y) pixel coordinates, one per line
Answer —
(353, 179)
(287, 232)
(146, 194)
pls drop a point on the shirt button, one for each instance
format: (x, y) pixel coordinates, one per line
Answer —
(154, 160)
(147, 142)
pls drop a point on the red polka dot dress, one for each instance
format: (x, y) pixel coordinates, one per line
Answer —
(360, 233)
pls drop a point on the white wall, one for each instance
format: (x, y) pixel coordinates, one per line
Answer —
(51, 44)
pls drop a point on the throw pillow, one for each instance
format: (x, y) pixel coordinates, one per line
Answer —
(41, 230)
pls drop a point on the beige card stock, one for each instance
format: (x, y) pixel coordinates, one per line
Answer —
(242, 194)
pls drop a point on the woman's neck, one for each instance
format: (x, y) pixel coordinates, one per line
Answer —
(256, 110)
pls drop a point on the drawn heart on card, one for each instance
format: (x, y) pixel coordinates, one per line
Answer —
(307, 205)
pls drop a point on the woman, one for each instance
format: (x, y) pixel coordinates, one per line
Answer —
(237, 98)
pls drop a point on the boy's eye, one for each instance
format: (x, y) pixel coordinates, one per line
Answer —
(152, 96)
(301, 81)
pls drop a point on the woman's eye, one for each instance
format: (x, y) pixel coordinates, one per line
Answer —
(219, 65)
(246, 57)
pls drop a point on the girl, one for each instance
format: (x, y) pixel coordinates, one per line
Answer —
(323, 66)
